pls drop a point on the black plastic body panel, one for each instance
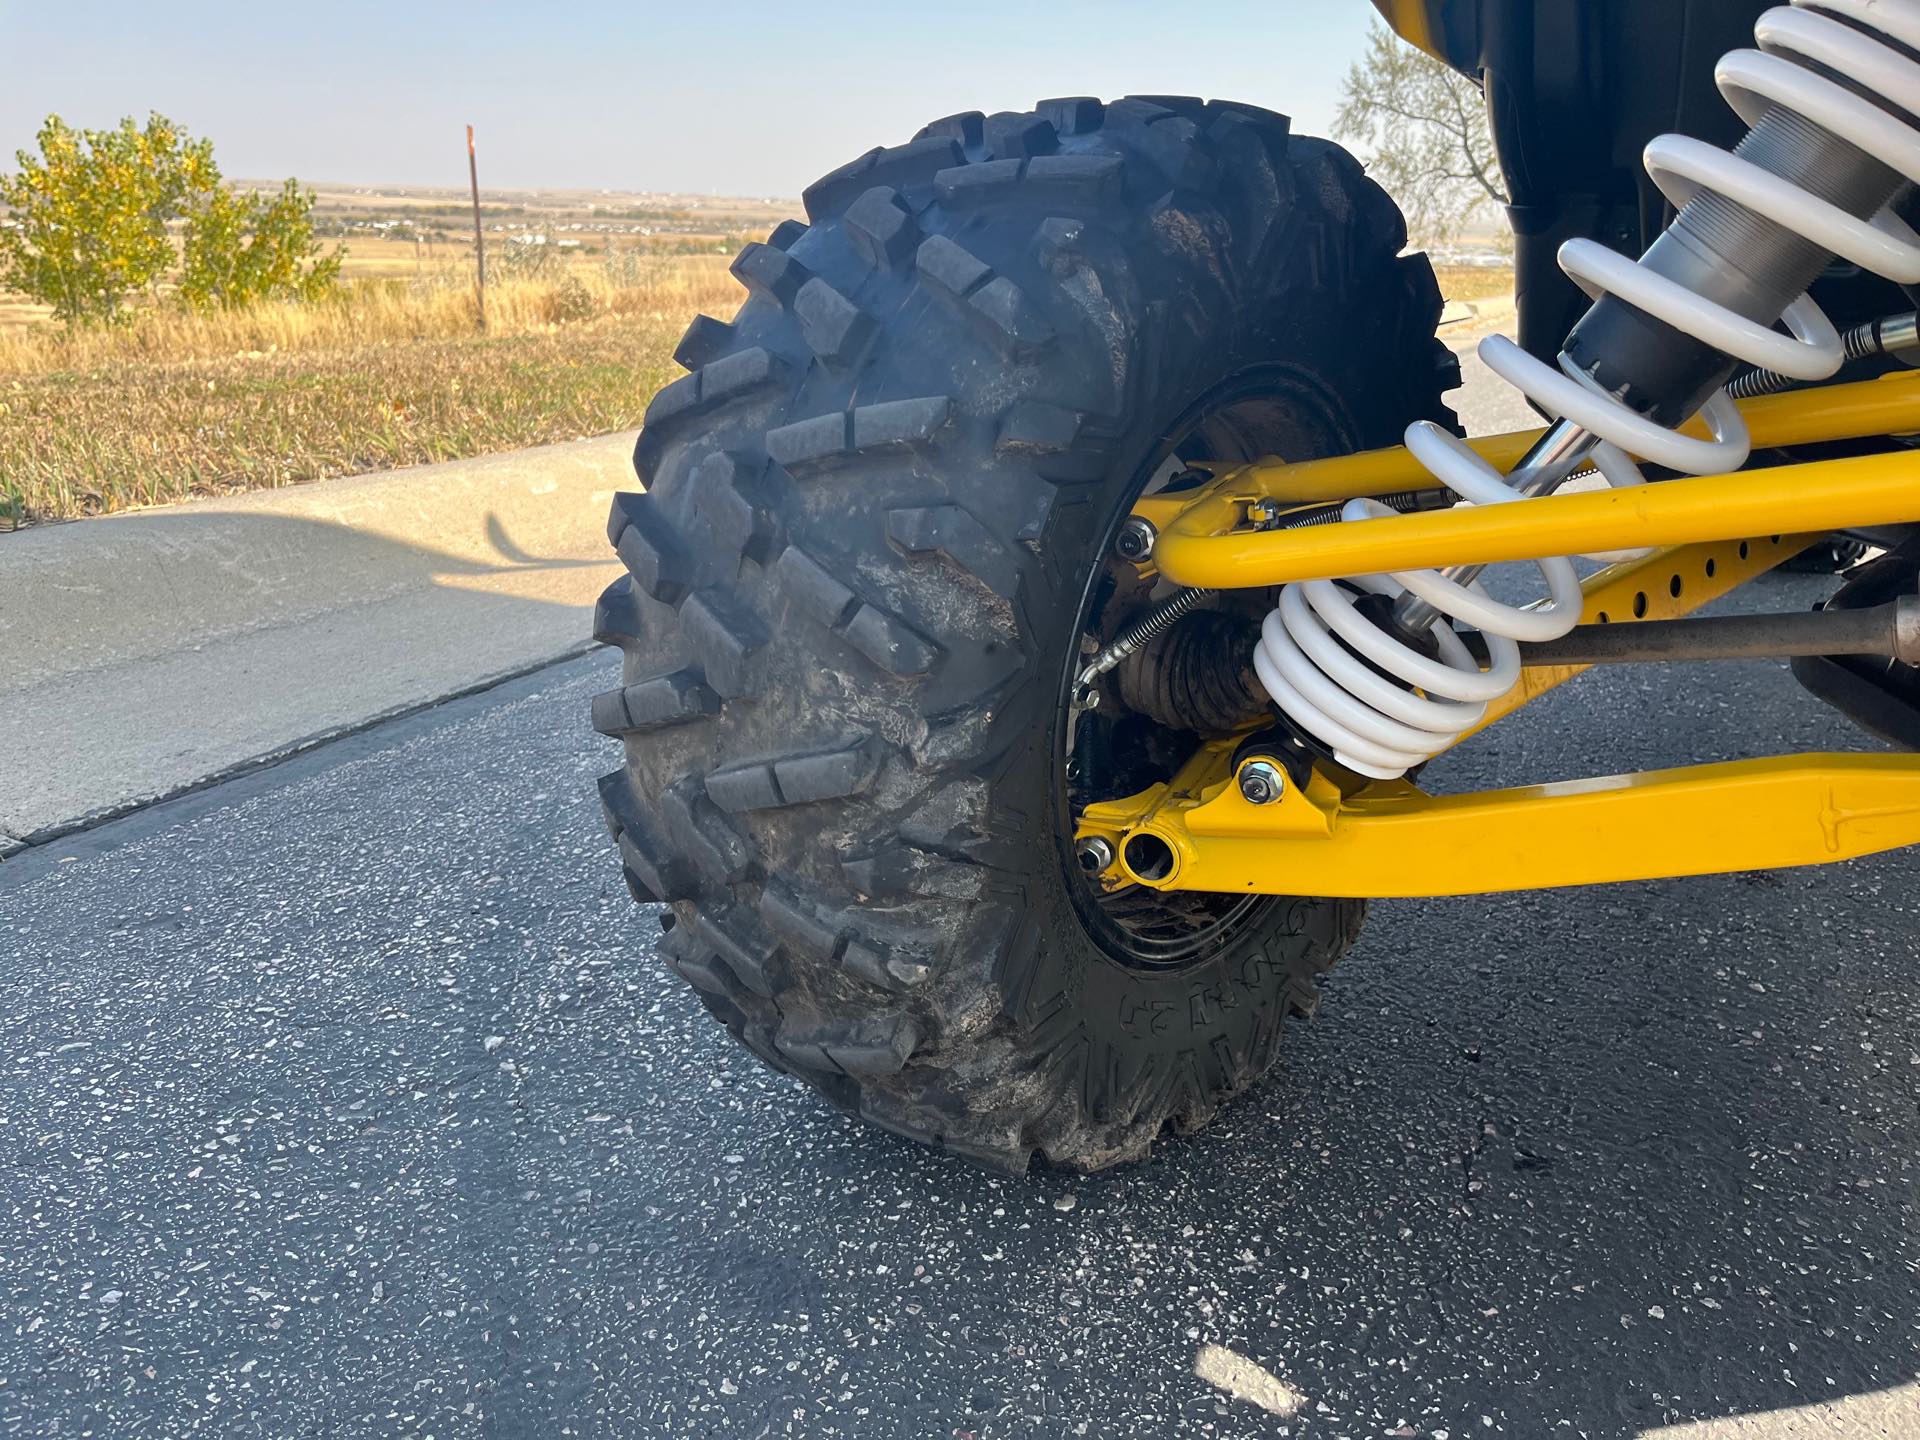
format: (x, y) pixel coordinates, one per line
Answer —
(1575, 89)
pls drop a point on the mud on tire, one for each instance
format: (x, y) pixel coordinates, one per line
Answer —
(871, 512)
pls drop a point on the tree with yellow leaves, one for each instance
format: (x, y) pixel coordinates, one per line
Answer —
(88, 229)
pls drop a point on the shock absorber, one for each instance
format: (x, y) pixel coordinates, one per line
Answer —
(1831, 97)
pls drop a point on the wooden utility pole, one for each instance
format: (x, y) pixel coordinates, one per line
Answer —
(479, 242)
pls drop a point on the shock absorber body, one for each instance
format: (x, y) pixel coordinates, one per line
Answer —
(1832, 99)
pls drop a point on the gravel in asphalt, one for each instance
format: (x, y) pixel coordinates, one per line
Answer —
(352, 1100)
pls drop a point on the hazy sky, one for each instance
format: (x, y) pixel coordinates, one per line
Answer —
(742, 97)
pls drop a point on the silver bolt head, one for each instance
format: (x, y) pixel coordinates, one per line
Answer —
(1261, 782)
(1135, 540)
(1094, 853)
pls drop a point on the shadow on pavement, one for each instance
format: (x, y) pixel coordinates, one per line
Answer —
(243, 636)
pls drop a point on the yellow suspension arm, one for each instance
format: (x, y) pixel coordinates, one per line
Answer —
(1200, 544)
(1390, 839)
(1824, 495)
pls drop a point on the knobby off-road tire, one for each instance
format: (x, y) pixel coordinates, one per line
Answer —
(872, 512)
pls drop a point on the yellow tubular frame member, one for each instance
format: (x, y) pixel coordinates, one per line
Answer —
(1339, 835)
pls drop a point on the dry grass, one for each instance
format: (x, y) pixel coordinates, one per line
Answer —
(177, 405)
(380, 313)
(1468, 283)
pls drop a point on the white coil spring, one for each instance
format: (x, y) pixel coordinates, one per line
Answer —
(1378, 728)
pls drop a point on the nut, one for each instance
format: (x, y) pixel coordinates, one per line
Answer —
(1094, 853)
(1135, 540)
(1261, 782)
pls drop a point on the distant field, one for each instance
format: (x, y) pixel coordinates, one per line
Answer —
(16, 311)
(581, 333)
(393, 233)
(1469, 283)
(408, 233)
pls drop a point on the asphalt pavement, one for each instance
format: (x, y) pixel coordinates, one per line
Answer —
(350, 1099)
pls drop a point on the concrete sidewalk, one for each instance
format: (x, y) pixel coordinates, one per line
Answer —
(142, 654)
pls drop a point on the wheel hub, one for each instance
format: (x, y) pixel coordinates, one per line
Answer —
(1132, 722)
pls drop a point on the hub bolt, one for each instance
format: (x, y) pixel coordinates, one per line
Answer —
(1095, 854)
(1261, 782)
(1135, 540)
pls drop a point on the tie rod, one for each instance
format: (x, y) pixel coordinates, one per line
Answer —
(1891, 630)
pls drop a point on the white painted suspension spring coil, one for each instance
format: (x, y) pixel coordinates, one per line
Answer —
(1380, 729)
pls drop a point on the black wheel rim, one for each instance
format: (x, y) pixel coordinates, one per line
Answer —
(1263, 412)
